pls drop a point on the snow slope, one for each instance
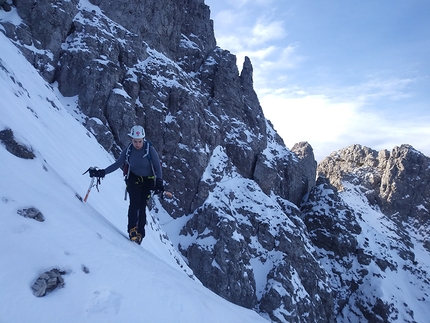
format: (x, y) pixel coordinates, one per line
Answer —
(406, 285)
(147, 283)
(379, 271)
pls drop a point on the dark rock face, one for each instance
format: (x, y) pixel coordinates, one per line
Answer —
(327, 231)
(368, 217)
(8, 140)
(405, 185)
(335, 230)
(397, 181)
(252, 249)
(5, 5)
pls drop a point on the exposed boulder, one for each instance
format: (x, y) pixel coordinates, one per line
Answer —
(32, 213)
(15, 148)
(48, 282)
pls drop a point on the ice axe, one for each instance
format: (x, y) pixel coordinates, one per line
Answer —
(91, 183)
(89, 189)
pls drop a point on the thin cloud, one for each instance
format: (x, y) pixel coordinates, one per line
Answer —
(369, 91)
(238, 3)
(303, 115)
(392, 88)
(280, 59)
(225, 18)
(329, 123)
(250, 3)
(264, 32)
(250, 37)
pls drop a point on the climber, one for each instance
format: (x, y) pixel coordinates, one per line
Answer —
(143, 174)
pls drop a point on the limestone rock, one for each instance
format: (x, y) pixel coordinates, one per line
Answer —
(239, 228)
(7, 138)
(398, 182)
(5, 5)
(353, 263)
(32, 213)
(47, 282)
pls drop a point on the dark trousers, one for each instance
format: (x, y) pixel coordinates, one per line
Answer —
(139, 190)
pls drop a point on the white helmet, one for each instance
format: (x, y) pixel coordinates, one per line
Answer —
(137, 132)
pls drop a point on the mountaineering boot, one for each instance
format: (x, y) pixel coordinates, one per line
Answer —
(139, 238)
(135, 235)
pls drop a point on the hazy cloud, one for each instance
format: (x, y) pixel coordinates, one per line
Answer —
(263, 31)
(330, 123)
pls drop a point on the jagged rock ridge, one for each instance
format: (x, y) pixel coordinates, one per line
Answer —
(396, 182)
(237, 188)
(368, 218)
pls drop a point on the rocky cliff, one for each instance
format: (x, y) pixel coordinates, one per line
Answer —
(368, 217)
(248, 215)
(395, 182)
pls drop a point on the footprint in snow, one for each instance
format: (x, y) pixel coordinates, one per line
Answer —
(104, 302)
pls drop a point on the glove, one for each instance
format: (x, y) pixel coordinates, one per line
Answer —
(159, 187)
(94, 172)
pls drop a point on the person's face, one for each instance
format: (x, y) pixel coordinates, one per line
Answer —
(137, 143)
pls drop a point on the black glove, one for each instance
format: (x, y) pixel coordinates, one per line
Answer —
(94, 172)
(159, 187)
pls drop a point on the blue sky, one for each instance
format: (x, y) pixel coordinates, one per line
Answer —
(335, 73)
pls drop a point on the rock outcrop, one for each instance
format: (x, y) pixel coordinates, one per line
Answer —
(398, 182)
(48, 282)
(362, 250)
(15, 148)
(253, 249)
(32, 213)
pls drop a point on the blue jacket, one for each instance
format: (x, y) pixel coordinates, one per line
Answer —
(139, 162)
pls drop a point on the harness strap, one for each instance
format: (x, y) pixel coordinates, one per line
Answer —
(142, 179)
(147, 154)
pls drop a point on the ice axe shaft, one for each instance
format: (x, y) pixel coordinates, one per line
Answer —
(89, 189)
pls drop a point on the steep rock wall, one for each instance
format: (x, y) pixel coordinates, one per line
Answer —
(398, 182)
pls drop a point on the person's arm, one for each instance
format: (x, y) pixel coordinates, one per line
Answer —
(117, 164)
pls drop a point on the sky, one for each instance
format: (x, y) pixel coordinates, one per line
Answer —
(336, 72)
(122, 281)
